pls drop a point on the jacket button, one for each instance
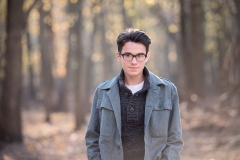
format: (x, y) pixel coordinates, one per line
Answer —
(131, 109)
(159, 106)
(118, 147)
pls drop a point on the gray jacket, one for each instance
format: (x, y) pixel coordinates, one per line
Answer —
(162, 131)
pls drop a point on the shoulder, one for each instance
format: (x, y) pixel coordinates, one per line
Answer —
(170, 86)
(104, 86)
(108, 83)
(160, 80)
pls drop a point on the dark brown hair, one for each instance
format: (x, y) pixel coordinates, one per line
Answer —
(133, 35)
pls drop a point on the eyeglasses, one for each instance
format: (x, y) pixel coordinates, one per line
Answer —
(129, 57)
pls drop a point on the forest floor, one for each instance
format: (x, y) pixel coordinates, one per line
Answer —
(207, 135)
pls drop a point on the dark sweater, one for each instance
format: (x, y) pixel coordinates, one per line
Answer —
(132, 117)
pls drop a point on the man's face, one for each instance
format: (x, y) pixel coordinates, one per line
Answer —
(133, 68)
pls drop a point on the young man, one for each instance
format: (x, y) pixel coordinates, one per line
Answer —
(135, 115)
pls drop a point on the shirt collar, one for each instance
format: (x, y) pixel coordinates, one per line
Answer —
(146, 84)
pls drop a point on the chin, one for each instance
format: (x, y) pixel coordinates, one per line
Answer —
(133, 73)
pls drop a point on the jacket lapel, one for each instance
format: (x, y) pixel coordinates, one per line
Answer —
(152, 96)
(150, 101)
(113, 94)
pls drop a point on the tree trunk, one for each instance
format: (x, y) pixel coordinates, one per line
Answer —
(89, 65)
(66, 81)
(237, 17)
(237, 3)
(192, 44)
(237, 52)
(197, 47)
(10, 113)
(32, 92)
(46, 42)
(126, 19)
(80, 79)
(70, 80)
(186, 53)
(105, 48)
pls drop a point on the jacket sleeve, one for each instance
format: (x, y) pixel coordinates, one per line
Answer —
(93, 131)
(174, 141)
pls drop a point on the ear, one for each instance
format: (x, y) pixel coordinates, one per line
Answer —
(147, 58)
(118, 56)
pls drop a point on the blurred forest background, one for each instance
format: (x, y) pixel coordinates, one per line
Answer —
(54, 53)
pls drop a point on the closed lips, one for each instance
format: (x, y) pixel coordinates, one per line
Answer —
(133, 67)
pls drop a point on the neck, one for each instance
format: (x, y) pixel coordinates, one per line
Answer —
(133, 80)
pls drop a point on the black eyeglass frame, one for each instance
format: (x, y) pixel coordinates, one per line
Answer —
(133, 56)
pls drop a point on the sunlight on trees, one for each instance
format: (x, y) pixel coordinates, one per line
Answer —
(96, 9)
(128, 4)
(34, 28)
(172, 57)
(195, 44)
(173, 28)
(73, 1)
(27, 4)
(150, 2)
(97, 57)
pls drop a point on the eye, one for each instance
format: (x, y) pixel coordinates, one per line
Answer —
(141, 55)
(127, 55)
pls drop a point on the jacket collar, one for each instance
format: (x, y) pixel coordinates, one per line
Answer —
(153, 79)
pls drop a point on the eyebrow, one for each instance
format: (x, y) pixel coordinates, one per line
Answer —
(132, 54)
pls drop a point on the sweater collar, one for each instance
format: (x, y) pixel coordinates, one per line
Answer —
(146, 84)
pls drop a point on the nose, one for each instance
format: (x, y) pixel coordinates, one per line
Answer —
(134, 60)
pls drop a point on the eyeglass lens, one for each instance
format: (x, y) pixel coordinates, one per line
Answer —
(129, 57)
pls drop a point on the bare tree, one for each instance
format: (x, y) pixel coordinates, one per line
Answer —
(46, 41)
(197, 47)
(127, 20)
(70, 80)
(10, 115)
(32, 91)
(105, 46)
(80, 108)
(192, 44)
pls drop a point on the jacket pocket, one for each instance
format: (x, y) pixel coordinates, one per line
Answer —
(107, 118)
(159, 120)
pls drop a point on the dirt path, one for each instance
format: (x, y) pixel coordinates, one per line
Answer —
(202, 146)
(59, 141)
